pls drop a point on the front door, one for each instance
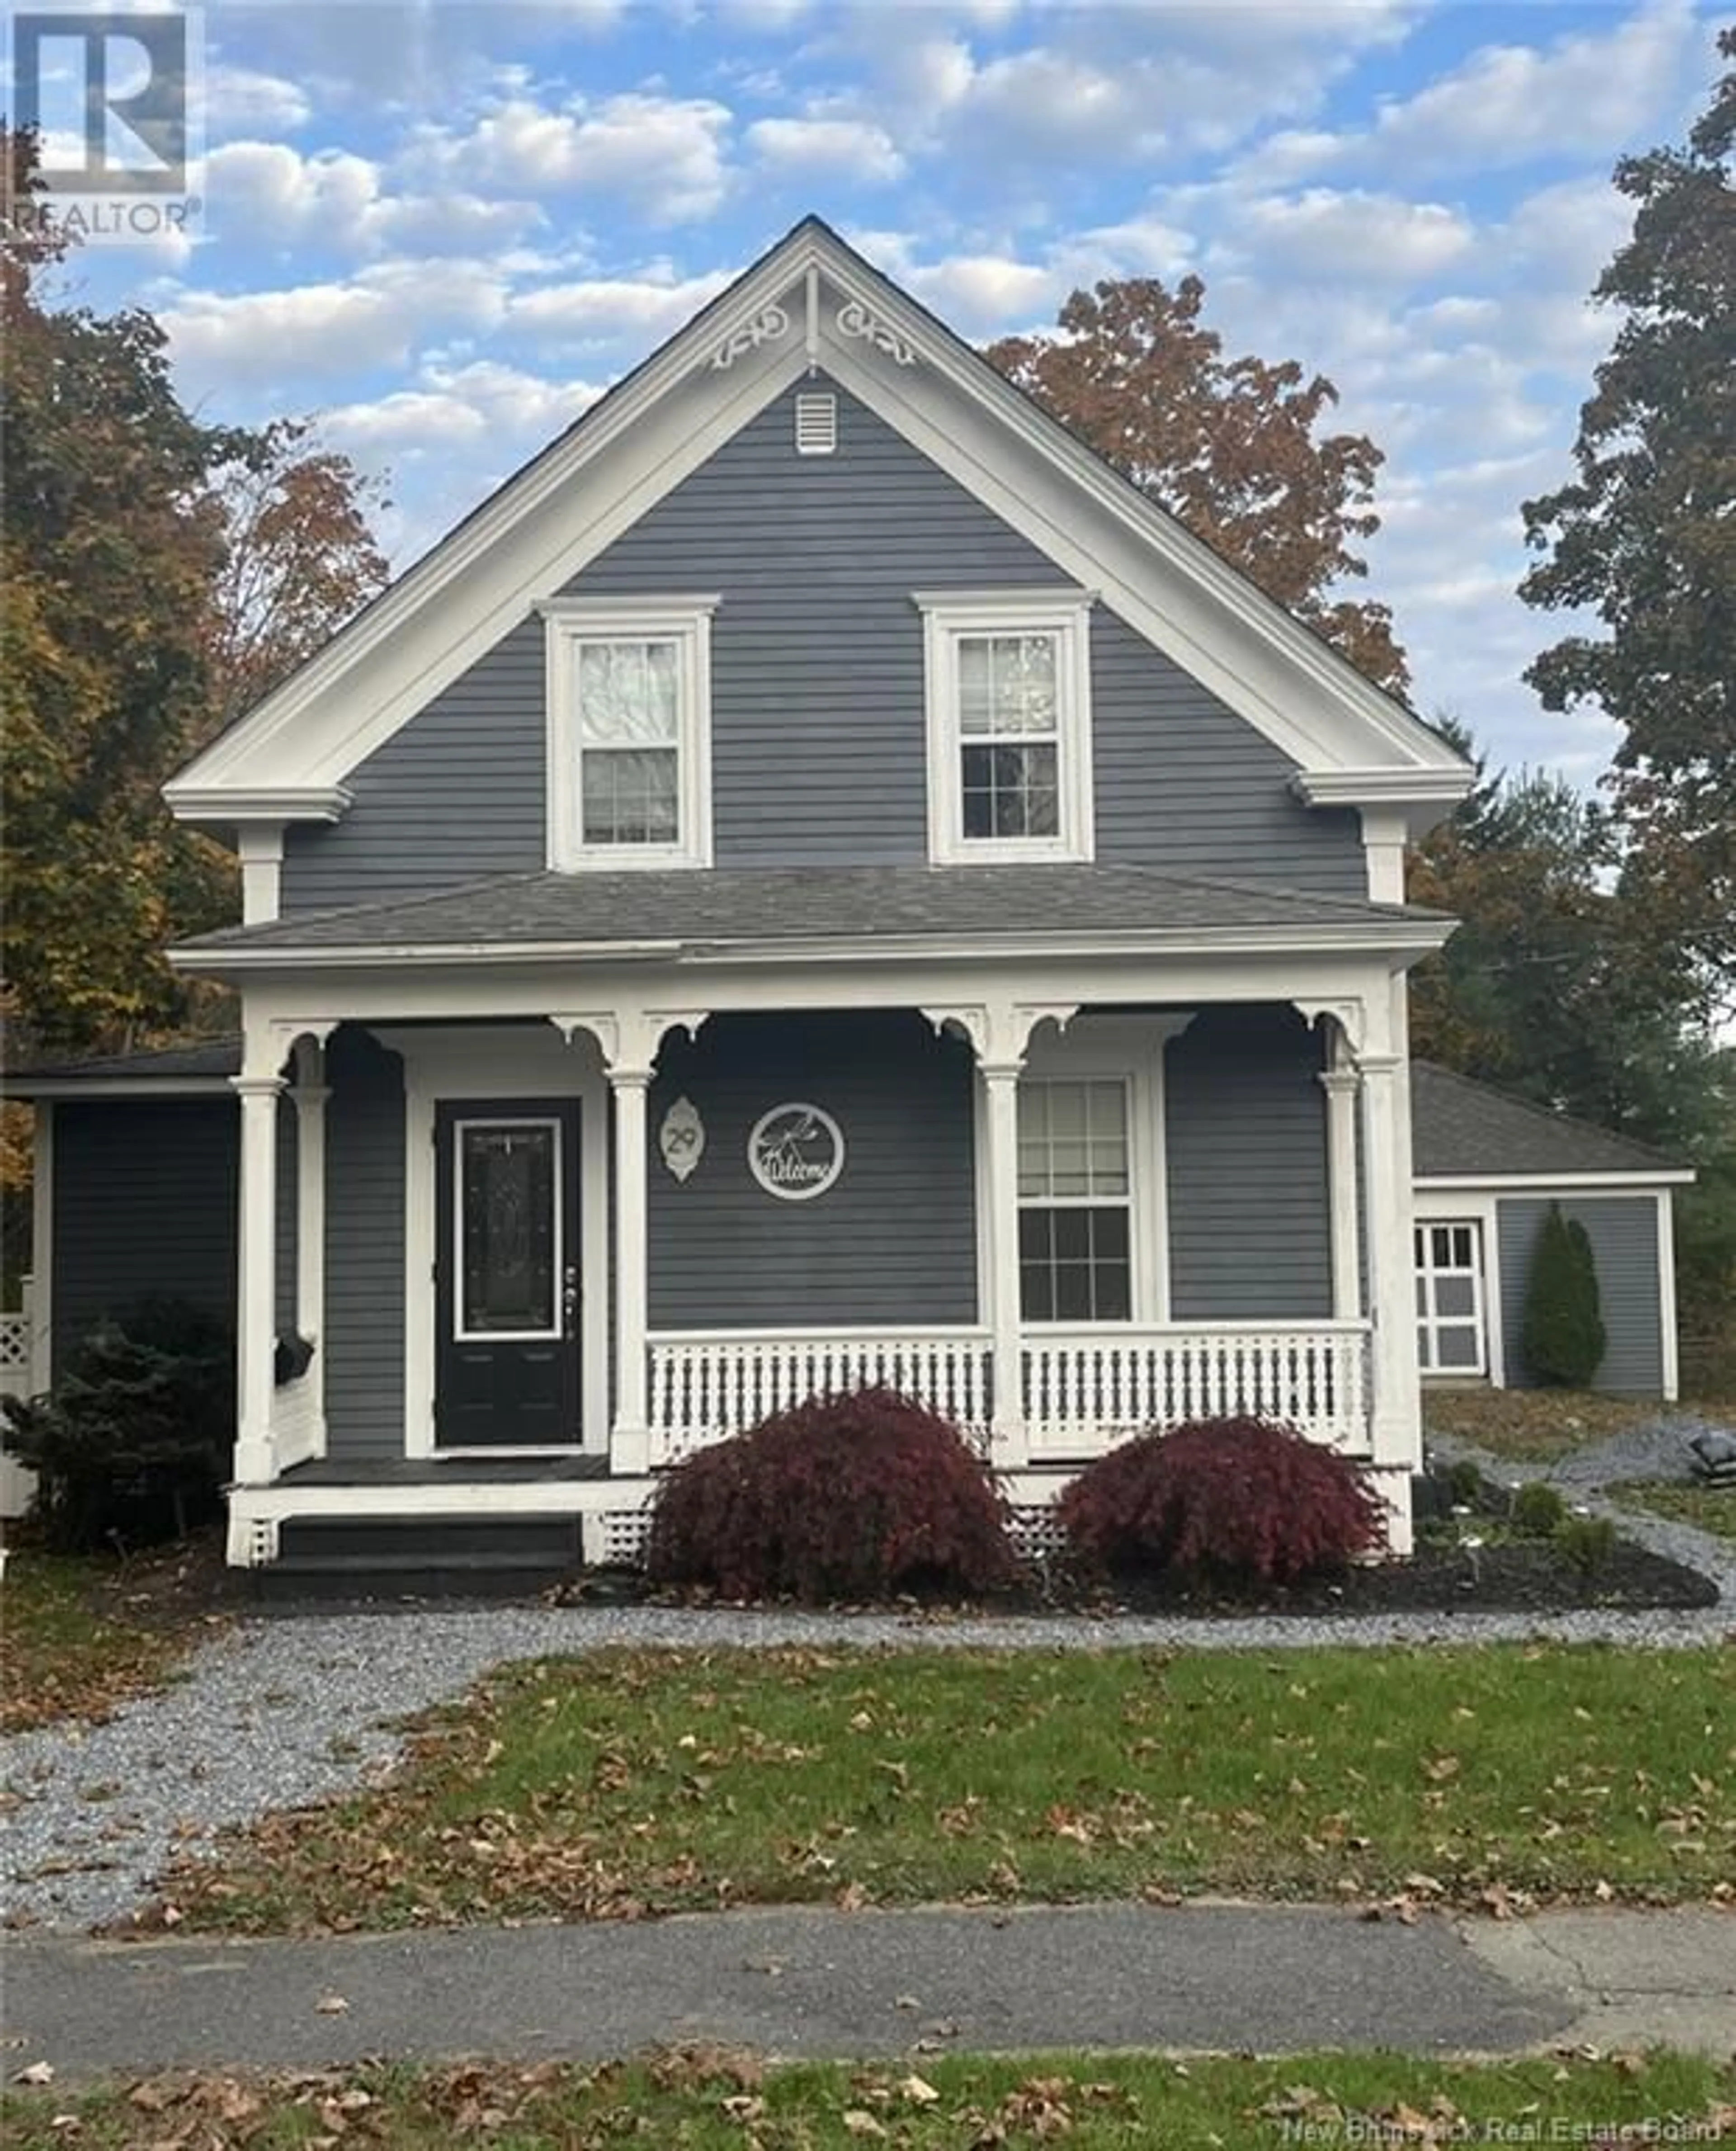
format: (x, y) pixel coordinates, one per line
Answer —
(506, 1273)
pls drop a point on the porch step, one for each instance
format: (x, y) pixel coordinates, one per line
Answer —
(421, 1557)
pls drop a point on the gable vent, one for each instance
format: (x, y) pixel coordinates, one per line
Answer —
(816, 425)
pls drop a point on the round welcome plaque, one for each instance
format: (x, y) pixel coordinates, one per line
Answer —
(796, 1151)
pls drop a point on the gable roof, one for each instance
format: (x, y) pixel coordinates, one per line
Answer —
(1463, 1130)
(810, 302)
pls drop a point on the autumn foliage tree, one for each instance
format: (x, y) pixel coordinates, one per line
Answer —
(1644, 536)
(155, 572)
(1232, 447)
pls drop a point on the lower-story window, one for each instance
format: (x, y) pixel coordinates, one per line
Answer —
(1075, 1202)
(1449, 1297)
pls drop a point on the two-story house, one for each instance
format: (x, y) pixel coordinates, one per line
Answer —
(816, 881)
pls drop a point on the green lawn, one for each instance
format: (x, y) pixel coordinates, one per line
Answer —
(1532, 1427)
(627, 1782)
(73, 1648)
(712, 2099)
(1710, 1508)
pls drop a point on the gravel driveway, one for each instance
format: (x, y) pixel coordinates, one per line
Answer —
(279, 1712)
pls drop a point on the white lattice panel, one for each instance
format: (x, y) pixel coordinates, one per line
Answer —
(622, 1536)
(1036, 1532)
(14, 1342)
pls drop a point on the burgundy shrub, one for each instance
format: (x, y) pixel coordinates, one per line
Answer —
(848, 1497)
(1231, 1500)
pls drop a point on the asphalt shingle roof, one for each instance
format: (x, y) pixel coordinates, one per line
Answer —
(1461, 1129)
(731, 904)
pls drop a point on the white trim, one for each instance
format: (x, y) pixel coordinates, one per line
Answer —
(536, 533)
(256, 1280)
(258, 846)
(1429, 1319)
(1385, 834)
(447, 1066)
(571, 624)
(121, 1087)
(555, 1331)
(41, 1248)
(629, 1092)
(1339, 1085)
(310, 1097)
(1639, 1182)
(1670, 1370)
(1064, 615)
(1404, 934)
(234, 807)
(1434, 1204)
(1131, 1049)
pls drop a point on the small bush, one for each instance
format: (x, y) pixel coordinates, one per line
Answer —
(1538, 1510)
(848, 1497)
(1588, 1544)
(132, 1445)
(1232, 1500)
(1563, 1339)
(1466, 1483)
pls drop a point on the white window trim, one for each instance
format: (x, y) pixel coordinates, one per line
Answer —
(1444, 1206)
(1129, 1049)
(572, 622)
(1430, 1321)
(949, 614)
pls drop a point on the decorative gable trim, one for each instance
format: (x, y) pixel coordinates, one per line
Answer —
(664, 421)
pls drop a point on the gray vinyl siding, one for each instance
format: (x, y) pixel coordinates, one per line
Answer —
(1249, 1218)
(145, 1198)
(893, 1240)
(1623, 1234)
(364, 1340)
(819, 724)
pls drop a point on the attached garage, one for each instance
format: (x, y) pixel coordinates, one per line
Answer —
(1488, 1167)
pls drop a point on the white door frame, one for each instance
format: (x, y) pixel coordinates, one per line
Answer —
(450, 1064)
(1451, 1207)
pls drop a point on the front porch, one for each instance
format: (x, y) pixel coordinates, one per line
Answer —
(1057, 1224)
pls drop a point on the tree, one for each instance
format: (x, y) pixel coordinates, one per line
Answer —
(1230, 447)
(1563, 1339)
(1645, 535)
(154, 570)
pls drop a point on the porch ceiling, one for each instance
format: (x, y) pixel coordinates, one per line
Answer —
(684, 912)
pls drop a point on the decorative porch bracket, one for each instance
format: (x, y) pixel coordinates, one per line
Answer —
(628, 1040)
(999, 1033)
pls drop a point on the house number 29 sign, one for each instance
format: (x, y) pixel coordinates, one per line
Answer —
(796, 1151)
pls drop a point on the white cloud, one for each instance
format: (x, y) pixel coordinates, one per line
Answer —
(312, 333)
(604, 311)
(665, 158)
(842, 150)
(271, 195)
(243, 98)
(1326, 236)
(1510, 105)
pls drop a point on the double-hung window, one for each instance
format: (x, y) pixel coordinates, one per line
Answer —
(629, 732)
(1075, 1195)
(1008, 700)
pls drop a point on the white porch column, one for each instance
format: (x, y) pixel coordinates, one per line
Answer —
(1396, 1430)
(1000, 1122)
(255, 1310)
(310, 1094)
(1339, 1083)
(630, 1439)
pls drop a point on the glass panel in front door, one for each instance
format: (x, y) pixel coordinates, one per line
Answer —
(507, 1228)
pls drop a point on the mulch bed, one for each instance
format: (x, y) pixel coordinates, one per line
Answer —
(1525, 1576)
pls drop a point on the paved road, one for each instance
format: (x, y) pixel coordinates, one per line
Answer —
(818, 1983)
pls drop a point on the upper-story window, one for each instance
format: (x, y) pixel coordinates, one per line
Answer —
(630, 732)
(1009, 695)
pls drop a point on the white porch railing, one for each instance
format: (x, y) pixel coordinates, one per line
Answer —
(1086, 1389)
(295, 1424)
(706, 1384)
(1083, 1389)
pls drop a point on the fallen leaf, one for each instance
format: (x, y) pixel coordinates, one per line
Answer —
(38, 2072)
(333, 2005)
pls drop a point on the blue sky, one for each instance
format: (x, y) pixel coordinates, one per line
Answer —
(447, 228)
